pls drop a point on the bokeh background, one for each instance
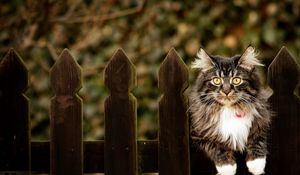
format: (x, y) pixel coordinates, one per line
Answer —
(146, 30)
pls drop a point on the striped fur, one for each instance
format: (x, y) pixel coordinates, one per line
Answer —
(225, 123)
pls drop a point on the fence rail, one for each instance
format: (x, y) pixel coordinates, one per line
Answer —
(121, 153)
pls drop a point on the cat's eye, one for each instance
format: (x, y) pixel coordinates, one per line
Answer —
(236, 81)
(216, 81)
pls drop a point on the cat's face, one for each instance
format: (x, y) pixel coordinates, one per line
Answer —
(228, 81)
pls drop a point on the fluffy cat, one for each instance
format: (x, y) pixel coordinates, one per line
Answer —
(228, 111)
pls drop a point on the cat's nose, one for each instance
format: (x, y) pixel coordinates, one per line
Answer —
(226, 89)
(226, 92)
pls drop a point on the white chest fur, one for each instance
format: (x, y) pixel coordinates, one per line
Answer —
(234, 129)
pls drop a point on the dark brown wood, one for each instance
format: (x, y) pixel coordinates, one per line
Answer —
(40, 157)
(284, 146)
(173, 120)
(120, 117)
(14, 115)
(120, 153)
(148, 156)
(94, 156)
(66, 117)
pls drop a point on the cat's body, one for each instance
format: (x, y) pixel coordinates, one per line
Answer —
(229, 113)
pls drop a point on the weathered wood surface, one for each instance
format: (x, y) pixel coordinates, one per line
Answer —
(173, 120)
(120, 117)
(284, 146)
(14, 115)
(66, 117)
(94, 156)
(121, 153)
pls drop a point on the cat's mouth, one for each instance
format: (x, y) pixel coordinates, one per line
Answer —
(226, 100)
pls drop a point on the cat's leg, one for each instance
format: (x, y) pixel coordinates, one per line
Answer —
(225, 162)
(222, 157)
(256, 155)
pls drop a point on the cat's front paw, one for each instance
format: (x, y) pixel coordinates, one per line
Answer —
(226, 169)
(257, 166)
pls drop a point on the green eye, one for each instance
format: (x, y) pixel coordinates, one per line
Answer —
(236, 81)
(216, 81)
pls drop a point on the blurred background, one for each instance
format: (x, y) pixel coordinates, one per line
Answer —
(146, 30)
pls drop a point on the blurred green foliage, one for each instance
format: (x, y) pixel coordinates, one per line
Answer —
(146, 30)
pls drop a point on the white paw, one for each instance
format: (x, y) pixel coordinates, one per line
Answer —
(227, 169)
(257, 166)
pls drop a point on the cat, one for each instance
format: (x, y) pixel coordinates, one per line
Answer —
(229, 112)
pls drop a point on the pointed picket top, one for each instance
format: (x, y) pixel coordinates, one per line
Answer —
(120, 152)
(13, 73)
(283, 72)
(14, 115)
(173, 132)
(120, 74)
(173, 74)
(65, 75)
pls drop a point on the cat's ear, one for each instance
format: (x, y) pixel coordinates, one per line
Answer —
(249, 59)
(203, 61)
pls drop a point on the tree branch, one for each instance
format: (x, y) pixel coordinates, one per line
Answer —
(106, 17)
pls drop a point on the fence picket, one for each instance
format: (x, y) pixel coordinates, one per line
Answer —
(173, 120)
(283, 76)
(66, 117)
(14, 114)
(120, 117)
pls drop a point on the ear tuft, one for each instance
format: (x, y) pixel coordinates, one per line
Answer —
(203, 61)
(249, 59)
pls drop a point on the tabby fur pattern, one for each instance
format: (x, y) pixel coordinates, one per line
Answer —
(229, 112)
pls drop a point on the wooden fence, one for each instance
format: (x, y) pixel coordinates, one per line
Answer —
(121, 153)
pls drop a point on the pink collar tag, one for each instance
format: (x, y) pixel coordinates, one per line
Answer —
(240, 114)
